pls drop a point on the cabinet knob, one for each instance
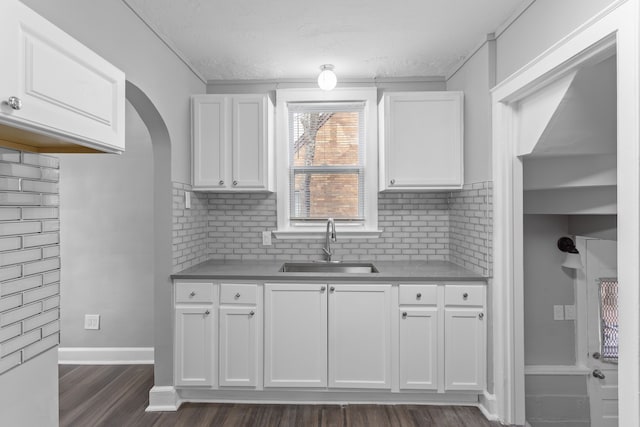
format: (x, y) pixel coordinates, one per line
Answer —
(481, 316)
(221, 182)
(596, 355)
(465, 296)
(206, 313)
(251, 313)
(393, 181)
(192, 294)
(235, 182)
(404, 314)
(323, 288)
(237, 295)
(14, 102)
(333, 288)
(418, 295)
(597, 373)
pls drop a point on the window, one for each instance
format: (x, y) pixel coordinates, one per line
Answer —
(327, 161)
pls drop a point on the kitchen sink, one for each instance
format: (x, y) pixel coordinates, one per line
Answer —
(328, 267)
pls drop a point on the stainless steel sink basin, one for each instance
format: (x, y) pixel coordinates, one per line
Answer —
(328, 267)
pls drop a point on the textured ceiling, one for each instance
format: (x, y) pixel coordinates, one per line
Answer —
(285, 39)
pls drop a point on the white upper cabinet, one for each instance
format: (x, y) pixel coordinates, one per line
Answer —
(56, 95)
(232, 142)
(421, 141)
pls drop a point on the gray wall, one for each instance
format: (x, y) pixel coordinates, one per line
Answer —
(106, 215)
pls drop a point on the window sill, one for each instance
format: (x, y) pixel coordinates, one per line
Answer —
(320, 234)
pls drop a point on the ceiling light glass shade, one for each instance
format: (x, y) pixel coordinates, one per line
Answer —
(572, 261)
(327, 79)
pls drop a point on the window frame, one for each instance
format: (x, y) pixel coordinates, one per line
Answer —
(369, 227)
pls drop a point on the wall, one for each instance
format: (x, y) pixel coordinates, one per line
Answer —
(29, 287)
(475, 78)
(541, 26)
(106, 215)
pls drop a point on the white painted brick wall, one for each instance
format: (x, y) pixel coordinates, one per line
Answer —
(416, 226)
(29, 256)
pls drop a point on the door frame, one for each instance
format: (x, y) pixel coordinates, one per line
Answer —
(615, 27)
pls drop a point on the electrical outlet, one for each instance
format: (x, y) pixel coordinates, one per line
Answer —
(92, 321)
(569, 312)
(266, 238)
(187, 199)
(558, 312)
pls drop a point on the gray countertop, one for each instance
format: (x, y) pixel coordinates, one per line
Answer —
(387, 271)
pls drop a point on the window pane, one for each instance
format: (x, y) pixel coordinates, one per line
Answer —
(609, 319)
(326, 138)
(322, 195)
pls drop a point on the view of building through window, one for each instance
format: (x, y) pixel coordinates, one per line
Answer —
(326, 163)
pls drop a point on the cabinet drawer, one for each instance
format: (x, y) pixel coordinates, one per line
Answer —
(419, 294)
(464, 295)
(194, 292)
(238, 294)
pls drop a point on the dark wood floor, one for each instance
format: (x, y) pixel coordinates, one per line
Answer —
(117, 395)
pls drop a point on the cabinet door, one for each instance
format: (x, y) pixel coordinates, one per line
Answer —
(422, 141)
(249, 142)
(419, 348)
(295, 335)
(360, 336)
(209, 115)
(194, 350)
(465, 349)
(66, 89)
(238, 338)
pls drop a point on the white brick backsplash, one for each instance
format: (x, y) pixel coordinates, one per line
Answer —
(18, 314)
(20, 342)
(9, 302)
(10, 331)
(10, 361)
(40, 346)
(29, 257)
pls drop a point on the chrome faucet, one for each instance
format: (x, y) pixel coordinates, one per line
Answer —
(329, 237)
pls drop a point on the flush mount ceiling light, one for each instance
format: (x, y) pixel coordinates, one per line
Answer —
(572, 260)
(327, 79)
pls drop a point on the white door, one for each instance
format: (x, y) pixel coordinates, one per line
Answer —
(601, 263)
(194, 346)
(238, 357)
(360, 336)
(464, 333)
(209, 115)
(419, 348)
(65, 88)
(295, 335)
(249, 141)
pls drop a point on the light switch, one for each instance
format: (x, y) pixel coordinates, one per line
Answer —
(558, 312)
(569, 312)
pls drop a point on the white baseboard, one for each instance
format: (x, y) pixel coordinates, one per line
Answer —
(105, 355)
(488, 406)
(163, 399)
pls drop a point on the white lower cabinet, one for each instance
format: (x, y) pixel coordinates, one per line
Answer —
(360, 336)
(239, 334)
(419, 348)
(195, 335)
(295, 328)
(465, 338)
(238, 346)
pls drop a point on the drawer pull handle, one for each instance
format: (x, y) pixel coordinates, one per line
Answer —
(251, 313)
(192, 294)
(465, 296)
(404, 314)
(238, 295)
(481, 316)
(418, 295)
(206, 313)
